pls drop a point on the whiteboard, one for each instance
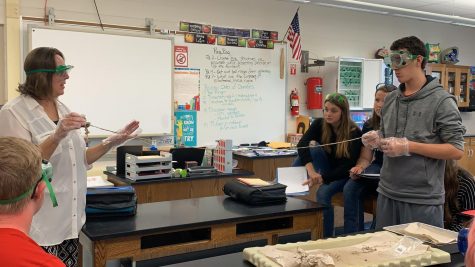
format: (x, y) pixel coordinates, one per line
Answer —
(242, 96)
(116, 78)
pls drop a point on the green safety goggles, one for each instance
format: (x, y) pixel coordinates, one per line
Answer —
(60, 70)
(336, 97)
(398, 59)
(46, 176)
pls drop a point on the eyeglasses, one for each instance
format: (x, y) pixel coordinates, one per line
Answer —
(388, 87)
(47, 177)
(336, 97)
(60, 70)
(398, 59)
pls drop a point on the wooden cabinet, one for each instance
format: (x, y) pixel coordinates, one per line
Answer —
(437, 71)
(149, 191)
(454, 79)
(468, 160)
(264, 167)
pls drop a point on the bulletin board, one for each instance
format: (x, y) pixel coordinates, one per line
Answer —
(242, 97)
(116, 78)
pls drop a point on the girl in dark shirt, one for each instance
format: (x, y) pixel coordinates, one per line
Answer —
(328, 164)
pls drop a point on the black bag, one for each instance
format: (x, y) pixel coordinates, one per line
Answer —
(111, 202)
(261, 195)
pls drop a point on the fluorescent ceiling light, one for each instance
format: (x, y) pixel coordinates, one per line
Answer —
(464, 24)
(421, 18)
(301, 1)
(354, 8)
(360, 5)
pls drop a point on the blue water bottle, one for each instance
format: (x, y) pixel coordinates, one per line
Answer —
(462, 240)
(153, 146)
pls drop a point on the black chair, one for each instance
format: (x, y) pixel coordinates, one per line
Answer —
(182, 154)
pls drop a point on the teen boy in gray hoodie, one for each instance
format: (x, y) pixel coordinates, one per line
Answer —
(421, 127)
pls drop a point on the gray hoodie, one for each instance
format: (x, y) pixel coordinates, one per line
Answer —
(427, 116)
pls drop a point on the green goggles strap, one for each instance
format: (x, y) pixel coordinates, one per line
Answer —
(18, 198)
(59, 69)
(52, 195)
(46, 175)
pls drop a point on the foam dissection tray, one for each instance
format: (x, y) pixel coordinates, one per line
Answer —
(372, 249)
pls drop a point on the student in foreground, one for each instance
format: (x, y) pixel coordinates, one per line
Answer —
(21, 196)
(421, 127)
(369, 162)
(329, 165)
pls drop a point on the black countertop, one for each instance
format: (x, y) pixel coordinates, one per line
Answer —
(218, 175)
(194, 212)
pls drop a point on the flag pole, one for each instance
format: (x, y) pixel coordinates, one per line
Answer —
(285, 35)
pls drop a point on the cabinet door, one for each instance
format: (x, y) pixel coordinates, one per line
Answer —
(373, 74)
(471, 158)
(438, 71)
(452, 80)
(463, 86)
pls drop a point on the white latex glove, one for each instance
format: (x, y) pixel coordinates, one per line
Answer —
(71, 121)
(130, 131)
(371, 139)
(395, 147)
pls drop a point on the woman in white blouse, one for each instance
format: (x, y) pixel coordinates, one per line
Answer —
(38, 116)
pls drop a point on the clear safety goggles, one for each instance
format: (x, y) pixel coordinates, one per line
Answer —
(60, 70)
(398, 59)
(47, 177)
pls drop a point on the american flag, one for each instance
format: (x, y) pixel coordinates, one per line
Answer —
(293, 35)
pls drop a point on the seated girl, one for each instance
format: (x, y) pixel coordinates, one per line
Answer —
(370, 162)
(337, 147)
(459, 196)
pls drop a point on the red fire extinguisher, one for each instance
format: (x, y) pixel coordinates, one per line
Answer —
(294, 103)
(197, 102)
(314, 92)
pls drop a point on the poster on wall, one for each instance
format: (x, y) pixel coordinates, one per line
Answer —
(185, 128)
(187, 88)
(181, 56)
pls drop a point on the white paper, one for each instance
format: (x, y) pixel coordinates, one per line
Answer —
(97, 181)
(293, 177)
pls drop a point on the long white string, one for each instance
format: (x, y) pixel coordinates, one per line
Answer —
(148, 141)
